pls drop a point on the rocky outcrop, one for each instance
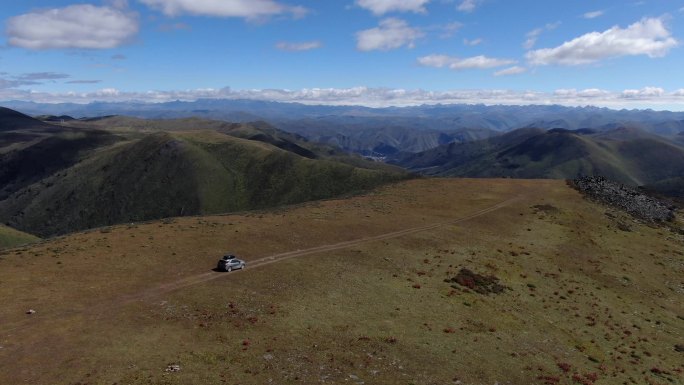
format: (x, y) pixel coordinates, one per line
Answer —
(625, 198)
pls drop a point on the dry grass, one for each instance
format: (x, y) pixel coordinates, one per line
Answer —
(589, 303)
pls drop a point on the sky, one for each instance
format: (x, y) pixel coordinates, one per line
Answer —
(620, 54)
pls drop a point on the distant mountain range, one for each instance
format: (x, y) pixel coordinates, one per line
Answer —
(627, 155)
(56, 179)
(381, 131)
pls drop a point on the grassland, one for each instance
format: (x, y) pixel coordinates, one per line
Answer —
(626, 155)
(10, 237)
(164, 174)
(593, 298)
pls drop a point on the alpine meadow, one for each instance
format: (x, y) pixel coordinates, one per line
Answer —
(400, 192)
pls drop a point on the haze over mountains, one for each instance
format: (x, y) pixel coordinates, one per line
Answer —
(381, 131)
(61, 174)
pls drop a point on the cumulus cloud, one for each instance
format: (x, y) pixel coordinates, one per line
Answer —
(297, 47)
(515, 70)
(455, 63)
(381, 7)
(644, 93)
(589, 93)
(81, 26)
(648, 37)
(248, 9)
(372, 97)
(390, 34)
(593, 14)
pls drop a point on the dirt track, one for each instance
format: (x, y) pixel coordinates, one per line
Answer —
(114, 303)
(209, 276)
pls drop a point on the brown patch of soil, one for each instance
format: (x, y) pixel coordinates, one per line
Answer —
(478, 283)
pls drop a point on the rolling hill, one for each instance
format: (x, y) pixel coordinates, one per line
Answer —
(10, 237)
(627, 155)
(383, 131)
(89, 176)
(429, 281)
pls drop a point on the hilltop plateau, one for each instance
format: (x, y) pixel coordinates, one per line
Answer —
(431, 281)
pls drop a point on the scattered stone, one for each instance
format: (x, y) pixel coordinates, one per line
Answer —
(268, 357)
(30, 311)
(478, 283)
(679, 348)
(172, 368)
(625, 198)
(622, 226)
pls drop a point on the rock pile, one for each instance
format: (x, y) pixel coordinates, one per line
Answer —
(625, 198)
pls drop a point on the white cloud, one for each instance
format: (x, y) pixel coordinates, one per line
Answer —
(373, 97)
(648, 37)
(515, 70)
(534, 34)
(455, 63)
(472, 42)
(77, 26)
(390, 34)
(467, 5)
(295, 47)
(589, 93)
(644, 93)
(381, 7)
(593, 14)
(248, 9)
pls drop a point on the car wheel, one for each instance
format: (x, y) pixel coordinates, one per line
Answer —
(242, 267)
(229, 269)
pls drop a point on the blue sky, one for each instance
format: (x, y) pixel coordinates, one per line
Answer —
(371, 52)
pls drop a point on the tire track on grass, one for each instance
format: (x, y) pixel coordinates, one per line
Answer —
(99, 310)
(210, 276)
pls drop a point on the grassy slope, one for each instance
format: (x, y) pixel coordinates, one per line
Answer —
(585, 295)
(627, 155)
(256, 131)
(10, 237)
(184, 173)
(37, 159)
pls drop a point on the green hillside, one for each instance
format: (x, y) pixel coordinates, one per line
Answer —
(627, 155)
(10, 237)
(166, 174)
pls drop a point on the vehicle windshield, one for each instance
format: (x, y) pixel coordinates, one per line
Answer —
(227, 257)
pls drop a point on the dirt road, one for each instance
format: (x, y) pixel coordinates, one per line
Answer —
(107, 305)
